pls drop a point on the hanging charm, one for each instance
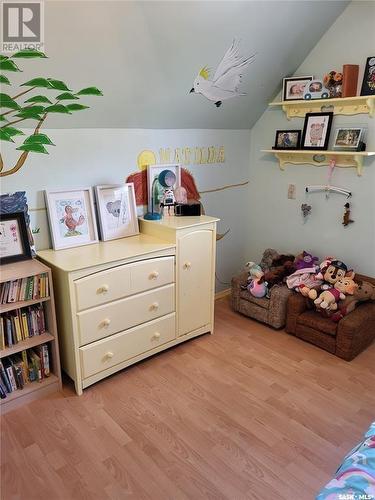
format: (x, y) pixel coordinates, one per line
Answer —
(306, 211)
(346, 219)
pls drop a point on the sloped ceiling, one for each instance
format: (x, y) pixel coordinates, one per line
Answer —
(145, 56)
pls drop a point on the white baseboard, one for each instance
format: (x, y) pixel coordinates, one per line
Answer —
(222, 294)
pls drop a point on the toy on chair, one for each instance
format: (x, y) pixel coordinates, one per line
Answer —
(257, 286)
(345, 285)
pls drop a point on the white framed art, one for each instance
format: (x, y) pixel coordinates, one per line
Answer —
(71, 216)
(117, 211)
(160, 178)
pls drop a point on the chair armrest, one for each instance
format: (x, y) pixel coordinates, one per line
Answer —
(356, 331)
(279, 295)
(297, 304)
(236, 283)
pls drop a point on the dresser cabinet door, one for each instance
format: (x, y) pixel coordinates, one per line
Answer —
(195, 286)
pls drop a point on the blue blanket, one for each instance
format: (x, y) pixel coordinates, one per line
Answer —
(355, 478)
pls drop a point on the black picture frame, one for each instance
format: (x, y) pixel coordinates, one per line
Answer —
(310, 118)
(26, 254)
(295, 145)
(294, 80)
(368, 82)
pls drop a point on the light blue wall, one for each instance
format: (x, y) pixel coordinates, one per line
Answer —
(87, 157)
(275, 221)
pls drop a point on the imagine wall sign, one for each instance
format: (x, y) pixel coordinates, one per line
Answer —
(185, 155)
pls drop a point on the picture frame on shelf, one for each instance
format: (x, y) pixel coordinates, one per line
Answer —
(71, 217)
(14, 239)
(117, 211)
(161, 178)
(17, 202)
(348, 139)
(316, 131)
(293, 87)
(287, 139)
(368, 82)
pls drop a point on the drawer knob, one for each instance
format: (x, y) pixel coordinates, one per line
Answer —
(156, 336)
(109, 355)
(106, 322)
(103, 289)
(154, 275)
(187, 265)
(154, 306)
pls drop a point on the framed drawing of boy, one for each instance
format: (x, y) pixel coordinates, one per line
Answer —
(71, 217)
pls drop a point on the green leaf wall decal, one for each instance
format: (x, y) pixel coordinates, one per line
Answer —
(4, 80)
(28, 115)
(33, 148)
(57, 108)
(12, 131)
(4, 136)
(39, 98)
(76, 107)
(8, 65)
(7, 102)
(66, 96)
(39, 139)
(29, 54)
(90, 91)
(58, 84)
(37, 82)
(33, 109)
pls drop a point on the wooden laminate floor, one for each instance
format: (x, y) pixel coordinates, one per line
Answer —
(247, 413)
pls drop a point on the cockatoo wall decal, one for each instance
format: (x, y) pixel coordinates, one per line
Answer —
(227, 78)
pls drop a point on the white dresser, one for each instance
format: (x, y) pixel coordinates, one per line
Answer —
(121, 301)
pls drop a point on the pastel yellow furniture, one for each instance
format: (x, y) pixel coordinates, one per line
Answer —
(121, 301)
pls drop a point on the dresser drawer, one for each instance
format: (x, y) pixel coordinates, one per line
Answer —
(109, 352)
(103, 287)
(152, 273)
(108, 319)
(122, 281)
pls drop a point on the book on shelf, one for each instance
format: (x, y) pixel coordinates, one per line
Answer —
(18, 370)
(30, 288)
(21, 324)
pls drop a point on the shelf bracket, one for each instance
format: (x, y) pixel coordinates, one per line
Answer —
(359, 164)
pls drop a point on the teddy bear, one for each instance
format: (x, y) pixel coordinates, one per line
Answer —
(306, 281)
(365, 291)
(281, 267)
(344, 285)
(256, 284)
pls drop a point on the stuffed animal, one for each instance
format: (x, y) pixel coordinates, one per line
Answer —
(305, 260)
(344, 285)
(305, 281)
(365, 291)
(330, 270)
(281, 267)
(268, 256)
(257, 286)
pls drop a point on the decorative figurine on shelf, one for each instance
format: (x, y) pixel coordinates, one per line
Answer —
(346, 219)
(168, 200)
(315, 90)
(333, 82)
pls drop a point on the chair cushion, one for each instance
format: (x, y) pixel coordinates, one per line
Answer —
(315, 321)
(263, 302)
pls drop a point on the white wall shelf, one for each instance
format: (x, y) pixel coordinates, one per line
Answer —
(340, 106)
(320, 158)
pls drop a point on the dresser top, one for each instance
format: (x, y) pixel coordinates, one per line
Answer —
(181, 222)
(74, 259)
